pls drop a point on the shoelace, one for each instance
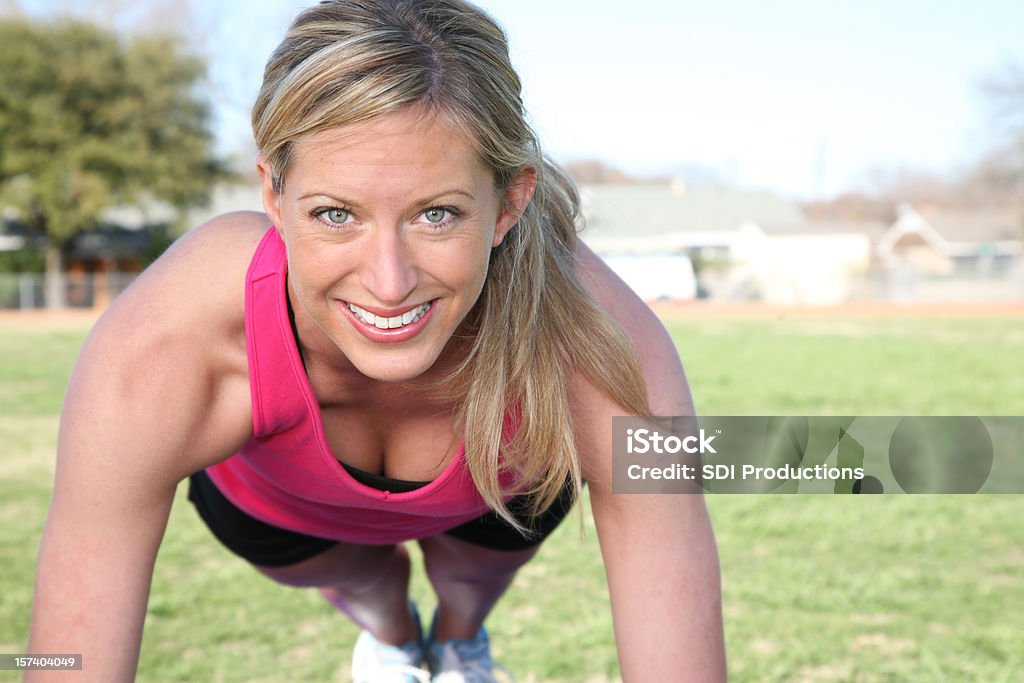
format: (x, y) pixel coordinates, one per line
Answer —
(421, 675)
(477, 674)
(392, 672)
(469, 672)
(391, 665)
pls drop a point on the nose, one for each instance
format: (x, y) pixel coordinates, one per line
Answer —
(388, 272)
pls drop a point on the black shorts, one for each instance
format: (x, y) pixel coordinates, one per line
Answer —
(270, 546)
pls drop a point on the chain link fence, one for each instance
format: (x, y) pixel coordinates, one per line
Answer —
(28, 291)
(910, 286)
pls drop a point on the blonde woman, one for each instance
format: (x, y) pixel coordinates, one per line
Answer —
(410, 344)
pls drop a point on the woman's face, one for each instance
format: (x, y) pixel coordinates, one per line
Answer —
(389, 225)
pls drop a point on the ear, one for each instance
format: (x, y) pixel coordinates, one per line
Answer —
(271, 197)
(517, 197)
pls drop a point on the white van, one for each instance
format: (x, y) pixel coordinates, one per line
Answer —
(656, 277)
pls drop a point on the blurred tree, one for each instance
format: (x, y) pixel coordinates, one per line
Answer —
(125, 17)
(993, 179)
(854, 206)
(89, 120)
(596, 172)
(999, 175)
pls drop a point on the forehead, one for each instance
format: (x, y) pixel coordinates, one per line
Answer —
(402, 146)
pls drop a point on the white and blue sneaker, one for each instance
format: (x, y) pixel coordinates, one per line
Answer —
(375, 662)
(464, 661)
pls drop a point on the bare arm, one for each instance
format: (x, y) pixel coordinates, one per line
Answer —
(150, 401)
(659, 549)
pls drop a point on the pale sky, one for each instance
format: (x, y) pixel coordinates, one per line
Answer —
(804, 97)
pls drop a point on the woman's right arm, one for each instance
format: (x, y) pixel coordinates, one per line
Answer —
(159, 391)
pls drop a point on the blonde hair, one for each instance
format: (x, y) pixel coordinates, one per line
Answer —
(346, 61)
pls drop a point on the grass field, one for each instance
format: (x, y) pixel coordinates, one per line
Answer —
(816, 588)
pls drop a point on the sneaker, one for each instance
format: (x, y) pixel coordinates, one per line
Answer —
(464, 661)
(375, 662)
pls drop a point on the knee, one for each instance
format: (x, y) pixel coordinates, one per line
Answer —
(448, 559)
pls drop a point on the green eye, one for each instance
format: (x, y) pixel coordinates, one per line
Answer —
(336, 215)
(435, 215)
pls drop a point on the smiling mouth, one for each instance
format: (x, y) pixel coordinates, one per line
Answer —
(393, 322)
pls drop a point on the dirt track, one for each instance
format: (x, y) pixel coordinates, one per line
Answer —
(699, 309)
(69, 319)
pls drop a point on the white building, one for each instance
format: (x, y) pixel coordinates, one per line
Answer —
(745, 244)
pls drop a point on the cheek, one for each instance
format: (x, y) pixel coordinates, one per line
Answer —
(310, 271)
(463, 268)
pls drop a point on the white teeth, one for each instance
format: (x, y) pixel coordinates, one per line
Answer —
(393, 322)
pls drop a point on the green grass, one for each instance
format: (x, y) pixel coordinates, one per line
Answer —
(816, 588)
(865, 366)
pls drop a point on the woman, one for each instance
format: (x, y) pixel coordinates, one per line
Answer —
(410, 344)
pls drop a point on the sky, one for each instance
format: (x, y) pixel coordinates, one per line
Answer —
(807, 98)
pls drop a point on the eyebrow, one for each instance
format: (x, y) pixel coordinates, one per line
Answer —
(420, 202)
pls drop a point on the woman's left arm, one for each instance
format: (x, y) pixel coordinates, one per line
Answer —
(659, 550)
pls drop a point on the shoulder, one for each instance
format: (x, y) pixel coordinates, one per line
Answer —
(199, 280)
(173, 344)
(667, 387)
(210, 258)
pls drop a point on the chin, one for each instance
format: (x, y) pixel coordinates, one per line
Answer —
(391, 375)
(393, 370)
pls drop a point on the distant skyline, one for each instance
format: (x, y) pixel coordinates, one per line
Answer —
(801, 97)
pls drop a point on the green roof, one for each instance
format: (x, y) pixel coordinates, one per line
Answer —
(620, 211)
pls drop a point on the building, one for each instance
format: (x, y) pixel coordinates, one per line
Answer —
(953, 255)
(743, 244)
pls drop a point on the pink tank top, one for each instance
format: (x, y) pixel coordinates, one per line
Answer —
(286, 475)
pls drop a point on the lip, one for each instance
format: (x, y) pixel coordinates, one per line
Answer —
(395, 336)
